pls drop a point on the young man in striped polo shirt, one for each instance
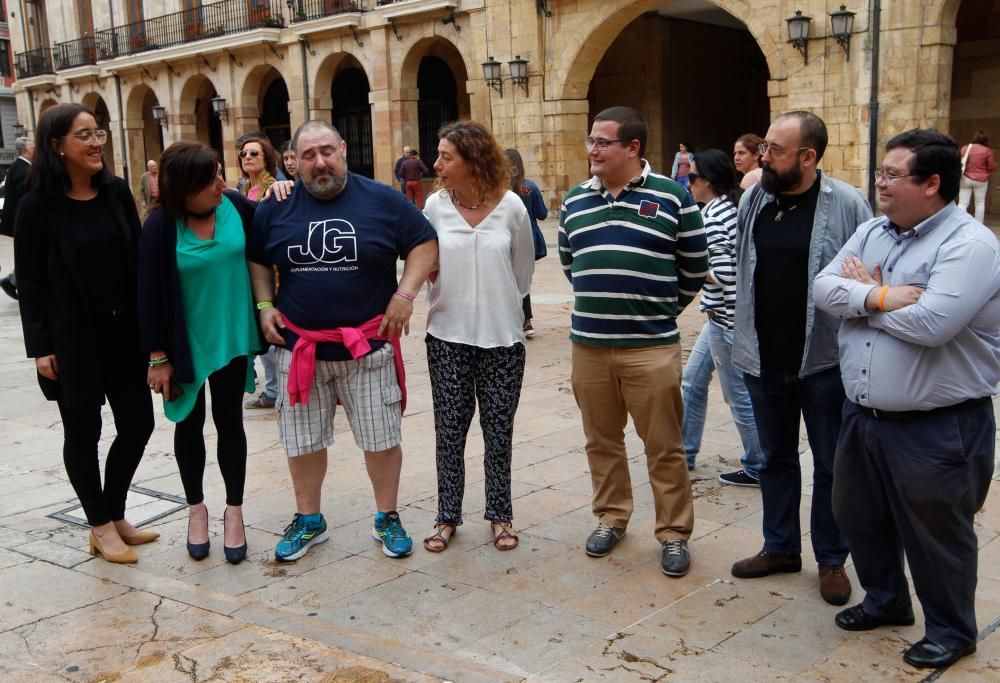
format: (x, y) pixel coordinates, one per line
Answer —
(633, 245)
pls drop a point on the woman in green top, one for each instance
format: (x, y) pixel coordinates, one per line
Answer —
(197, 324)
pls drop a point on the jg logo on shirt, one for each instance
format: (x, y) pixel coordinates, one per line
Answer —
(328, 242)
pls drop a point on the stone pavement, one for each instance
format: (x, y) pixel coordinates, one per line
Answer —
(544, 611)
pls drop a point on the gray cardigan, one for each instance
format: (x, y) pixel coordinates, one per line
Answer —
(840, 209)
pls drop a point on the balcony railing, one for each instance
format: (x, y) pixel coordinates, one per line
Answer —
(33, 62)
(77, 52)
(304, 10)
(206, 21)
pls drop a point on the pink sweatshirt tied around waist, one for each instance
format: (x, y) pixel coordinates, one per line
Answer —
(302, 367)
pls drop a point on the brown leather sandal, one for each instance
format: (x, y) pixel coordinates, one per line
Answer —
(505, 532)
(438, 542)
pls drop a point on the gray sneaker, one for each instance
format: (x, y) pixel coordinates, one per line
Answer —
(676, 559)
(603, 539)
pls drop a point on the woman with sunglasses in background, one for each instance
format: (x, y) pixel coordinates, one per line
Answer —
(76, 245)
(198, 325)
(259, 163)
(713, 183)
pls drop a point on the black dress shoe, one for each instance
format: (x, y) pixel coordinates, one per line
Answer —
(857, 619)
(238, 554)
(603, 539)
(9, 288)
(926, 655)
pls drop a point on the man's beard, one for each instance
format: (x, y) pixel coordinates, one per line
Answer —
(326, 185)
(778, 183)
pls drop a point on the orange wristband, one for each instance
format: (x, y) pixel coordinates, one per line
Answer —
(881, 298)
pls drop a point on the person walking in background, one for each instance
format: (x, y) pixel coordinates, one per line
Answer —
(289, 165)
(412, 170)
(396, 173)
(713, 183)
(149, 187)
(918, 293)
(15, 186)
(746, 156)
(475, 327)
(789, 227)
(632, 244)
(76, 244)
(978, 165)
(533, 202)
(682, 163)
(198, 325)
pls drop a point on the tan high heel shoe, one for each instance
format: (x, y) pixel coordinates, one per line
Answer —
(127, 557)
(139, 537)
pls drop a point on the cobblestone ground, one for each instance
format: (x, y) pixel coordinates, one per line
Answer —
(345, 612)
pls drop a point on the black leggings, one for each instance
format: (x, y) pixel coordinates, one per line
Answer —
(227, 412)
(132, 406)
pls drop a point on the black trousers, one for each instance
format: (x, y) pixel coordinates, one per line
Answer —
(227, 386)
(913, 487)
(123, 375)
(461, 375)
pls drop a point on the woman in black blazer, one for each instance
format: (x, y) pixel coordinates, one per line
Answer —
(198, 324)
(75, 247)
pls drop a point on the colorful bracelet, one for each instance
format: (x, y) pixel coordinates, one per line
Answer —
(406, 296)
(261, 305)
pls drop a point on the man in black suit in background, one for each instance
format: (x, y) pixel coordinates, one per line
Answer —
(17, 178)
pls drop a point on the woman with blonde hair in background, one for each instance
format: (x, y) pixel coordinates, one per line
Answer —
(475, 326)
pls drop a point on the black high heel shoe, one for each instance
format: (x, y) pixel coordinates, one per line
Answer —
(238, 554)
(197, 551)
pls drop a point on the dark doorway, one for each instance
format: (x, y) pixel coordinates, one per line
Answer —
(438, 104)
(275, 121)
(352, 115)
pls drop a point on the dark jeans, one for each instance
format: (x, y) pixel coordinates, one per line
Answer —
(227, 412)
(123, 375)
(914, 487)
(778, 401)
(461, 376)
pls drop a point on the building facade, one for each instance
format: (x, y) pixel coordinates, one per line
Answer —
(390, 72)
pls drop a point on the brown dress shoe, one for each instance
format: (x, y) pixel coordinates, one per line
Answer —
(764, 563)
(834, 585)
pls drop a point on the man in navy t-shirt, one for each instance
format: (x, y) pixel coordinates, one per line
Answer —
(335, 243)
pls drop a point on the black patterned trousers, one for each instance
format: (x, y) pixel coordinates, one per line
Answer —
(462, 375)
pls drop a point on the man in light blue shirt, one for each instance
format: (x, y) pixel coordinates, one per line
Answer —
(918, 291)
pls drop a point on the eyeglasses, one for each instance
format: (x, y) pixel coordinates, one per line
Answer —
(87, 136)
(601, 144)
(249, 153)
(765, 148)
(884, 176)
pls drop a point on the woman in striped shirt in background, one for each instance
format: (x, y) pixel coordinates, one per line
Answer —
(712, 180)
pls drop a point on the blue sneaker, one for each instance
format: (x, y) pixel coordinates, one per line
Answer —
(299, 536)
(388, 530)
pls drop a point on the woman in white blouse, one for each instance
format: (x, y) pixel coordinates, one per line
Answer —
(475, 335)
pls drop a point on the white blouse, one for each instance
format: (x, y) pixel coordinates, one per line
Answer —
(483, 273)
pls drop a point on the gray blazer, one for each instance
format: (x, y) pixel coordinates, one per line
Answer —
(840, 209)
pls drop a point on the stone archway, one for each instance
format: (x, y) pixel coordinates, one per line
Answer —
(975, 78)
(434, 76)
